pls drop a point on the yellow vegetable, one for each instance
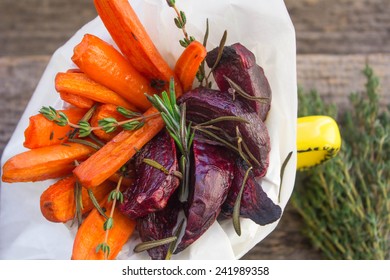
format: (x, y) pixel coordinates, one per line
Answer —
(318, 139)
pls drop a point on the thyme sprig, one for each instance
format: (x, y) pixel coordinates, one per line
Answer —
(176, 124)
(135, 121)
(180, 21)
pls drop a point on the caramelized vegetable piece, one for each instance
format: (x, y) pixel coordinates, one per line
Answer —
(106, 111)
(152, 187)
(41, 132)
(188, 64)
(134, 42)
(255, 204)
(76, 100)
(79, 84)
(91, 233)
(213, 174)
(117, 152)
(159, 225)
(239, 65)
(58, 201)
(44, 163)
(106, 66)
(206, 104)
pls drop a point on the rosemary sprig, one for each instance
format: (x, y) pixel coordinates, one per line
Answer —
(237, 89)
(147, 245)
(175, 121)
(83, 127)
(237, 204)
(283, 167)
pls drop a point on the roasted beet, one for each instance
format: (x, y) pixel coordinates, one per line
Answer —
(239, 65)
(255, 204)
(212, 177)
(159, 225)
(152, 188)
(206, 104)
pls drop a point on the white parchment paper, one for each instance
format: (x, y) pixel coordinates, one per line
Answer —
(265, 28)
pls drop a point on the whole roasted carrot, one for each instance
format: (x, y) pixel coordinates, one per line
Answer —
(91, 233)
(106, 66)
(81, 85)
(44, 163)
(41, 132)
(76, 100)
(188, 64)
(117, 152)
(58, 200)
(106, 111)
(134, 42)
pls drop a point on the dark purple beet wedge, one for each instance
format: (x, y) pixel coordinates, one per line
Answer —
(239, 65)
(255, 204)
(152, 187)
(206, 104)
(213, 174)
(159, 225)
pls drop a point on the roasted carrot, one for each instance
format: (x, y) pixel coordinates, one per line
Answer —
(106, 66)
(76, 100)
(91, 233)
(44, 163)
(79, 84)
(133, 40)
(41, 132)
(117, 152)
(188, 64)
(106, 111)
(58, 200)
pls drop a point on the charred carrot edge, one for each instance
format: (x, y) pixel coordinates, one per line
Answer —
(188, 64)
(44, 163)
(57, 202)
(76, 100)
(80, 85)
(117, 152)
(106, 111)
(106, 66)
(133, 40)
(91, 234)
(41, 132)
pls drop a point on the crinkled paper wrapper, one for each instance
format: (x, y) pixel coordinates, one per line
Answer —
(265, 28)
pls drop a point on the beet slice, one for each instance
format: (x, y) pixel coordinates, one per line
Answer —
(159, 225)
(255, 204)
(213, 174)
(152, 187)
(205, 104)
(239, 65)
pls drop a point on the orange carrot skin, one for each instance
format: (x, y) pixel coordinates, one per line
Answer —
(44, 163)
(188, 64)
(130, 35)
(117, 152)
(76, 100)
(57, 202)
(91, 234)
(80, 85)
(106, 111)
(41, 132)
(106, 66)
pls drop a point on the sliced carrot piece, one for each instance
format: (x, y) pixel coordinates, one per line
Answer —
(44, 163)
(76, 100)
(80, 85)
(106, 66)
(117, 152)
(188, 64)
(41, 132)
(58, 200)
(133, 40)
(91, 233)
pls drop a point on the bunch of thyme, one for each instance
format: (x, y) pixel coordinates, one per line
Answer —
(345, 202)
